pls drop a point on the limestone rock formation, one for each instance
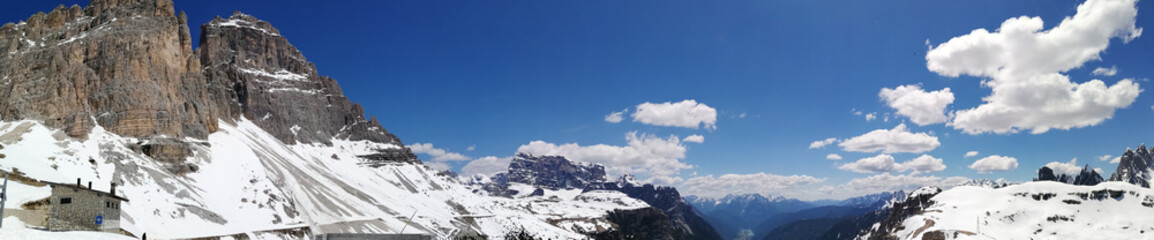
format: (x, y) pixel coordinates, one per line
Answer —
(125, 65)
(128, 66)
(553, 172)
(275, 87)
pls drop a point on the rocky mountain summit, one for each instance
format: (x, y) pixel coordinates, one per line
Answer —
(1134, 167)
(128, 67)
(668, 217)
(553, 172)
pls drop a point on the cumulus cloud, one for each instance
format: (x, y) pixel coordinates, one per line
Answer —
(1069, 168)
(1110, 158)
(1101, 71)
(922, 164)
(694, 139)
(487, 165)
(644, 154)
(833, 156)
(871, 116)
(875, 164)
(688, 114)
(923, 108)
(616, 117)
(994, 163)
(471, 148)
(439, 155)
(971, 154)
(895, 140)
(885, 163)
(821, 143)
(1025, 68)
(885, 182)
(710, 186)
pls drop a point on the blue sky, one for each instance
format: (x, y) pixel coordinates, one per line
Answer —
(499, 75)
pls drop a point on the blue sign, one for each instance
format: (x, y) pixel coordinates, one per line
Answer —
(99, 219)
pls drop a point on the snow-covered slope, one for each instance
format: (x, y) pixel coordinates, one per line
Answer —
(248, 182)
(1035, 210)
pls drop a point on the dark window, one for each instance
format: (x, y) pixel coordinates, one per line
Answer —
(66, 200)
(108, 204)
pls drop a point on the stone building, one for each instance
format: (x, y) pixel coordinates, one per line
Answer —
(73, 207)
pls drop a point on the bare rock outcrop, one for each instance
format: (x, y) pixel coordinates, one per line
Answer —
(275, 87)
(122, 64)
(128, 66)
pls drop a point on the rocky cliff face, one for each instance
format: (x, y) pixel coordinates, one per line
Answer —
(129, 67)
(126, 65)
(1088, 177)
(915, 203)
(1134, 167)
(257, 74)
(553, 172)
(685, 221)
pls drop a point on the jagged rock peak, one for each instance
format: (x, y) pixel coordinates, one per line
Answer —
(128, 8)
(265, 79)
(1088, 177)
(1134, 167)
(241, 20)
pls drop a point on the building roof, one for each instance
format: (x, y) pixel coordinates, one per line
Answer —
(74, 186)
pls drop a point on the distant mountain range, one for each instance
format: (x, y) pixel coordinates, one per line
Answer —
(753, 216)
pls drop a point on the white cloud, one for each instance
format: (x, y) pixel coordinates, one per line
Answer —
(645, 154)
(616, 117)
(994, 163)
(1101, 71)
(687, 114)
(762, 183)
(694, 139)
(971, 154)
(486, 165)
(439, 155)
(1117, 159)
(885, 163)
(923, 108)
(1069, 168)
(885, 182)
(471, 147)
(922, 164)
(1025, 67)
(821, 143)
(833, 156)
(871, 116)
(1105, 157)
(875, 164)
(893, 140)
(856, 112)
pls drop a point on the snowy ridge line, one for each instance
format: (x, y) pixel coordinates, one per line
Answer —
(1035, 210)
(248, 182)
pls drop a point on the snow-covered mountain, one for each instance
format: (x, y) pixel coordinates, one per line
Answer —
(529, 176)
(1054, 206)
(1034, 210)
(243, 137)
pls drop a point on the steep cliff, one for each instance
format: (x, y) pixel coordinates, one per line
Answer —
(126, 65)
(257, 74)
